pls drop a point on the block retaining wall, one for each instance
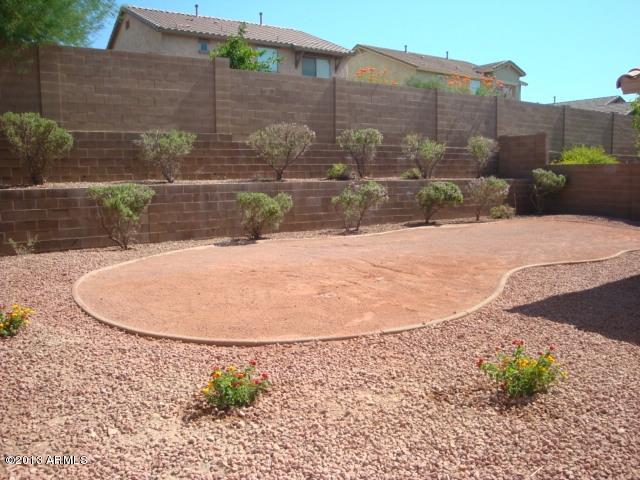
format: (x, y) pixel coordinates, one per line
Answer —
(65, 218)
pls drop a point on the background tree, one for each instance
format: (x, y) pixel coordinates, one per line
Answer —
(26, 23)
(636, 119)
(241, 55)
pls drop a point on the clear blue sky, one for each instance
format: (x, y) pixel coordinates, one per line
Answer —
(572, 49)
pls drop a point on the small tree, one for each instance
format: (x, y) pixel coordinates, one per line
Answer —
(240, 54)
(425, 153)
(120, 207)
(166, 150)
(260, 211)
(355, 200)
(545, 183)
(36, 141)
(482, 148)
(486, 192)
(436, 196)
(282, 144)
(635, 119)
(361, 145)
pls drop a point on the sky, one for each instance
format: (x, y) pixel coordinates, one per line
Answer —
(569, 49)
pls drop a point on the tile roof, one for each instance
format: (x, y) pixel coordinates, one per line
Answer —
(441, 65)
(218, 27)
(614, 103)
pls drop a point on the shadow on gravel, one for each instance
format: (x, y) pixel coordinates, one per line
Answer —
(234, 242)
(612, 309)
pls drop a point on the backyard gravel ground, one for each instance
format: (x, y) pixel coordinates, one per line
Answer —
(411, 405)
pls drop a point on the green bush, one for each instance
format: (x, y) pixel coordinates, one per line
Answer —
(411, 174)
(282, 144)
(233, 387)
(418, 81)
(355, 200)
(502, 211)
(338, 171)
(36, 141)
(260, 211)
(120, 207)
(485, 192)
(481, 149)
(584, 155)
(241, 55)
(545, 183)
(438, 195)
(425, 153)
(166, 150)
(361, 145)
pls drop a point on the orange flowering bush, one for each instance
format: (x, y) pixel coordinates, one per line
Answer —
(374, 75)
(518, 374)
(233, 387)
(13, 320)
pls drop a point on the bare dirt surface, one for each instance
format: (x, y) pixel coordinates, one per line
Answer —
(337, 286)
(411, 405)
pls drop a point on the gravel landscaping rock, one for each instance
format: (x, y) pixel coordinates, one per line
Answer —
(411, 405)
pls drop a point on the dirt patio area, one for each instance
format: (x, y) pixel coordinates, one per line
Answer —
(301, 289)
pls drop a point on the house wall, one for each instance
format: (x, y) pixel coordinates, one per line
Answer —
(397, 71)
(141, 37)
(507, 75)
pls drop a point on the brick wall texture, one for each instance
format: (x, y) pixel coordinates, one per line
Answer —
(65, 218)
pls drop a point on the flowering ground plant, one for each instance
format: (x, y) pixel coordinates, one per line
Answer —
(233, 387)
(13, 320)
(521, 375)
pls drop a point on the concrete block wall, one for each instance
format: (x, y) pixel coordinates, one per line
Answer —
(65, 218)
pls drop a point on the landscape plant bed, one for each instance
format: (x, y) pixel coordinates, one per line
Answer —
(414, 402)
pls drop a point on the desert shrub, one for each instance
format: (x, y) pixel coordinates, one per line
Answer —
(355, 200)
(545, 183)
(120, 207)
(438, 195)
(260, 211)
(232, 387)
(24, 248)
(487, 192)
(418, 81)
(282, 144)
(338, 171)
(520, 375)
(36, 141)
(166, 150)
(585, 155)
(481, 149)
(411, 174)
(13, 320)
(425, 153)
(361, 145)
(502, 211)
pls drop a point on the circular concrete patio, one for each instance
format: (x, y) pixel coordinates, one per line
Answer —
(334, 287)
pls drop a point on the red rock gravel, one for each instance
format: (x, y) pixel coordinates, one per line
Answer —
(411, 405)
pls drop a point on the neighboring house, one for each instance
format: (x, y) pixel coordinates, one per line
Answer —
(157, 31)
(630, 82)
(402, 65)
(613, 104)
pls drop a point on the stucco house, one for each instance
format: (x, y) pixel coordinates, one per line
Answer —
(147, 30)
(403, 65)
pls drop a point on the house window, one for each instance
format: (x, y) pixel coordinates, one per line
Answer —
(203, 46)
(316, 67)
(269, 55)
(474, 86)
